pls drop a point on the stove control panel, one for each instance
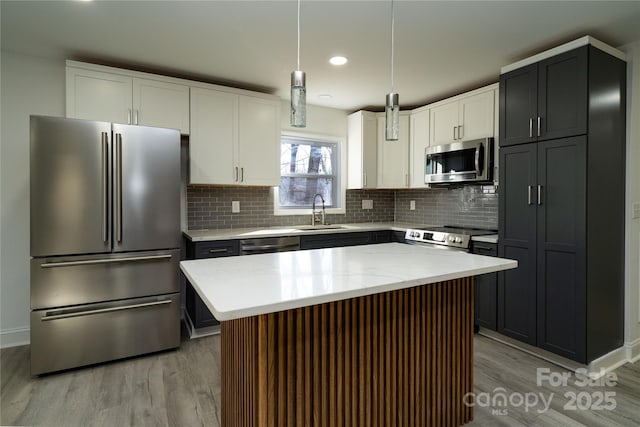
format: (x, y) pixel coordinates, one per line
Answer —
(438, 238)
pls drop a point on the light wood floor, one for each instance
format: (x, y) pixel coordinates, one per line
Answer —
(182, 388)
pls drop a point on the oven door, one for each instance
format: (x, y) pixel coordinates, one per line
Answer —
(466, 161)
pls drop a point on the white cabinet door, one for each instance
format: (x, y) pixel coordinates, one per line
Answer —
(213, 139)
(393, 156)
(259, 141)
(443, 122)
(362, 146)
(161, 104)
(419, 141)
(93, 95)
(477, 116)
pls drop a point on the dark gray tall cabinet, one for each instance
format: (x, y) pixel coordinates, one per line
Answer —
(561, 203)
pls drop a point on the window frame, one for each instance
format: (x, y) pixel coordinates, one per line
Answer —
(340, 174)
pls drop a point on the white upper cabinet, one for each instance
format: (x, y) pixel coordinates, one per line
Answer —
(393, 156)
(235, 139)
(465, 117)
(418, 143)
(93, 95)
(161, 104)
(122, 96)
(362, 150)
(259, 141)
(214, 137)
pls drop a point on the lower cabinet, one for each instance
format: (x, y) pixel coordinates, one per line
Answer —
(486, 289)
(198, 312)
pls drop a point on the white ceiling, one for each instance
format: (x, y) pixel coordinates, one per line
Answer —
(441, 47)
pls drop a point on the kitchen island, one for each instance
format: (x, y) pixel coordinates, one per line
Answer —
(362, 335)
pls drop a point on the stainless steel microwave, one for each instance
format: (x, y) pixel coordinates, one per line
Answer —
(466, 161)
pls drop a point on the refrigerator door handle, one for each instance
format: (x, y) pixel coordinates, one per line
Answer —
(68, 314)
(102, 261)
(105, 177)
(118, 188)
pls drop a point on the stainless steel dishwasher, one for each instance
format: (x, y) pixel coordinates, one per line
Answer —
(266, 245)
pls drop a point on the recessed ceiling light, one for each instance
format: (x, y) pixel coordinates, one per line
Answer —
(338, 60)
(325, 96)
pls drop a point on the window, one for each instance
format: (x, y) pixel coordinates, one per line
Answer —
(308, 166)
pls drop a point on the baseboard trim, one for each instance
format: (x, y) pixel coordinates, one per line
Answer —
(199, 333)
(633, 350)
(607, 363)
(595, 369)
(14, 337)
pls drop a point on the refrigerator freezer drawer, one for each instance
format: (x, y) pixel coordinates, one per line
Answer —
(83, 335)
(64, 281)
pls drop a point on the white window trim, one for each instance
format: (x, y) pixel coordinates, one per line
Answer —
(342, 178)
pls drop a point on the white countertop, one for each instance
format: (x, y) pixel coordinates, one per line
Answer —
(236, 287)
(291, 230)
(489, 238)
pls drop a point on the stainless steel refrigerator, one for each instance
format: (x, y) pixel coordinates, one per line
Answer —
(105, 238)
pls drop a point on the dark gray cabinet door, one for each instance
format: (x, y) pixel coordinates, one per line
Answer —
(561, 246)
(486, 290)
(197, 309)
(562, 95)
(545, 100)
(517, 240)
(518, 105)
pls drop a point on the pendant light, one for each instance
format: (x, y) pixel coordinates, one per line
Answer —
(298, 90)
(392, 107)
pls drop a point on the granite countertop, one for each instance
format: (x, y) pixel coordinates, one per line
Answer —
(236, 287)
(291, 230)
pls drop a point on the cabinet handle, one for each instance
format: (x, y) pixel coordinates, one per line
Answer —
(528, 194)
(236, 179)
(482, 248)
(539, 195)
(129, 116)
(136, 118)
(460, 133)
(218, 251)
(530, 128)
(241, 174)
(455, 133)
(539, 121)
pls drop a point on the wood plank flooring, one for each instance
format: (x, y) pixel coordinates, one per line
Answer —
(182, 388)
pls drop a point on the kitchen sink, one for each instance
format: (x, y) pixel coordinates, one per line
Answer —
(319, 227)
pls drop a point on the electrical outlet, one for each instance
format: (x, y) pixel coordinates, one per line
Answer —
(412, 205)
(235, 206)
(367, 204)
(635, 210)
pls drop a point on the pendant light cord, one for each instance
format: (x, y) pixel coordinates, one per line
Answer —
(298, 35)
(392, 40)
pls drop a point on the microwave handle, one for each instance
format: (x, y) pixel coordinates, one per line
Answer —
(477, 159)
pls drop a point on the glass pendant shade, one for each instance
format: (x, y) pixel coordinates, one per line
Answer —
(298, 99)
(392, 117)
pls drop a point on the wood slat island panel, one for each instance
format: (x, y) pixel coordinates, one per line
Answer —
(402, 358)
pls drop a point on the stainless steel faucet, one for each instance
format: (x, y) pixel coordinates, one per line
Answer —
(314, 213)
